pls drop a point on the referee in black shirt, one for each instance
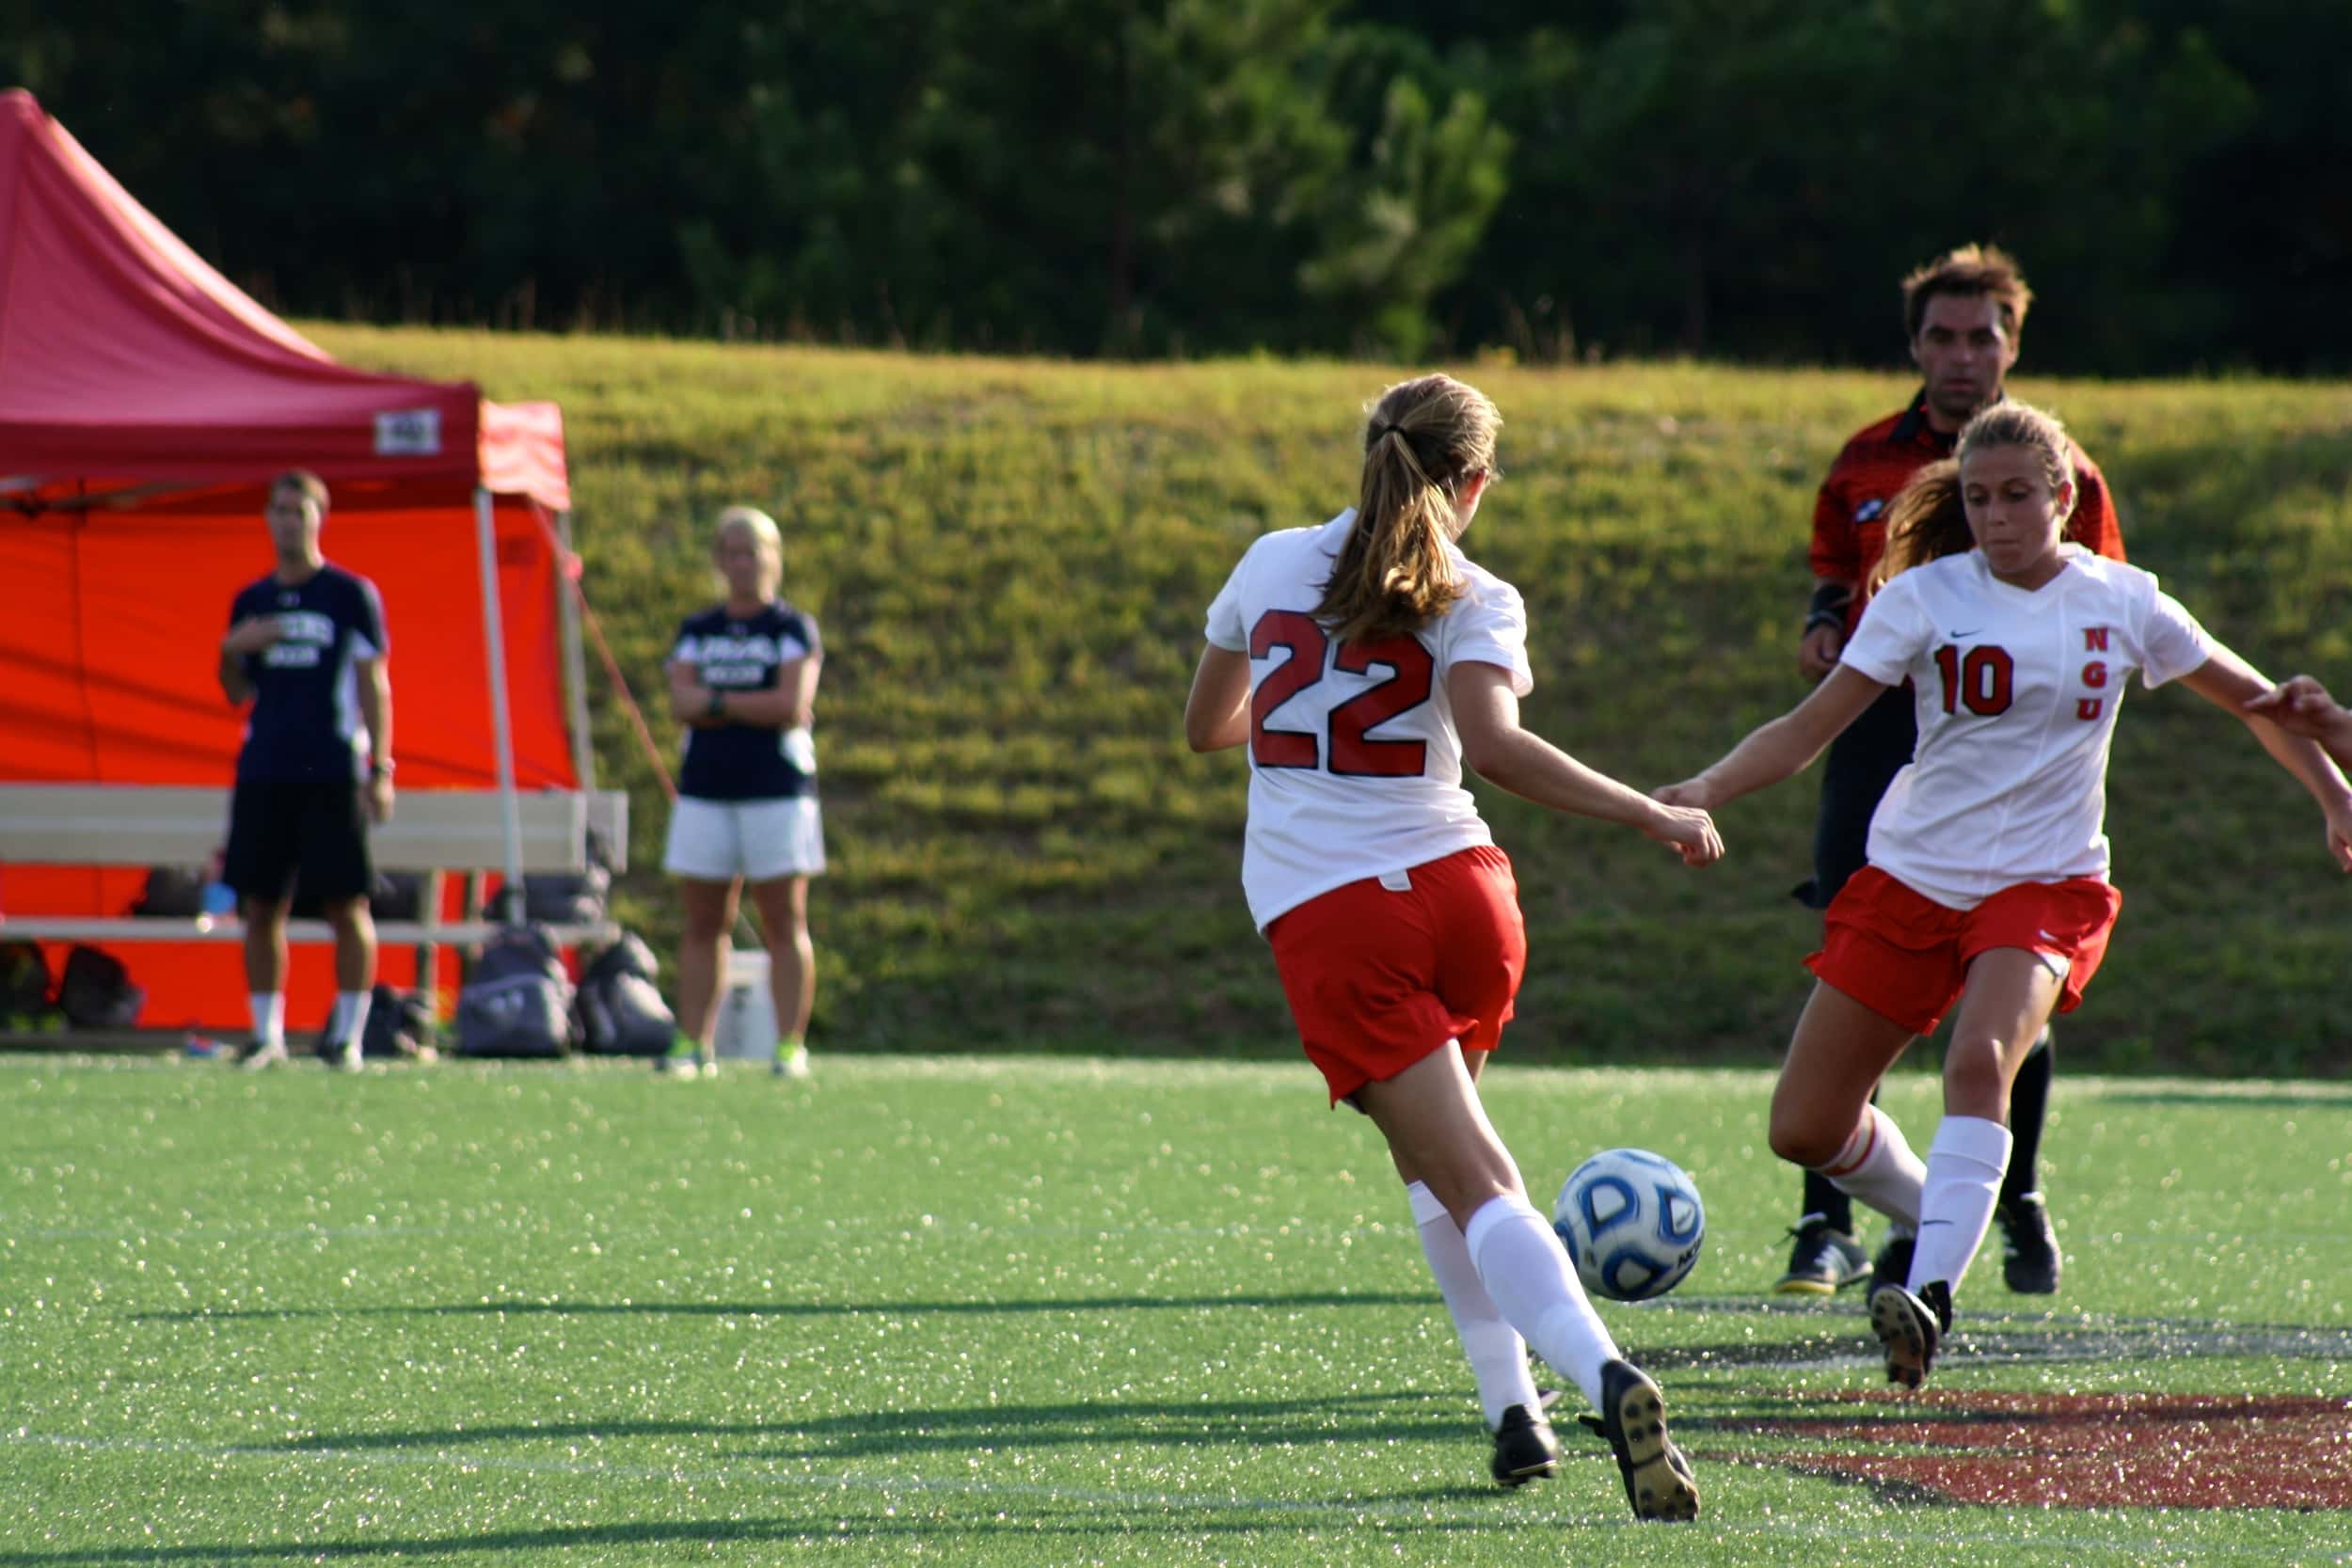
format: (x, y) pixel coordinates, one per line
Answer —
(306, 646)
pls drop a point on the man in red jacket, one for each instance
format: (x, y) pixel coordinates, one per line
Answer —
(1963, 313)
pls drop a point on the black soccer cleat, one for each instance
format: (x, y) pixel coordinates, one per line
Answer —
(1525, 1448)
(1894, 1262)
(1658, 1478)
(2029, 1253)
(1821, 1261)
(1910, 1329)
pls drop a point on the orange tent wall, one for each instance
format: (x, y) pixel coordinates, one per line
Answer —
(108, 655)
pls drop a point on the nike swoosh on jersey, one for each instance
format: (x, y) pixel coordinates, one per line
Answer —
(1970, 632)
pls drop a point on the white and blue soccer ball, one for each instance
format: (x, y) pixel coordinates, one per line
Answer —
(1632, 1221)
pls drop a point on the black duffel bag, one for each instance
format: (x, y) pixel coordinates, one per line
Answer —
(515, 1001)
(620, 1006)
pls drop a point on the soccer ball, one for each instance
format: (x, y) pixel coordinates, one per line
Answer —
(1631, 1222)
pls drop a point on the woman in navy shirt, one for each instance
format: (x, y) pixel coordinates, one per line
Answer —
(744, 679)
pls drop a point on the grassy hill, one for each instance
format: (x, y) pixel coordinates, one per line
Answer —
(1009, 561)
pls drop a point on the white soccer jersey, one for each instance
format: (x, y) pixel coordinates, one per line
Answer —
(1354, 765)
(2016, 695)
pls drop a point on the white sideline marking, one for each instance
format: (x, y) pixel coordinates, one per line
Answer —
(245, 1234)
(1935, 1529)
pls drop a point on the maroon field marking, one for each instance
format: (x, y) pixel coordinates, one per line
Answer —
(2089, 1451)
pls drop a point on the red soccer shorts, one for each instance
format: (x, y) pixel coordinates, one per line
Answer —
(1379, 977)
(1906, 957)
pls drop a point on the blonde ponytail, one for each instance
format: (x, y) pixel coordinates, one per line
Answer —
(1924, 522)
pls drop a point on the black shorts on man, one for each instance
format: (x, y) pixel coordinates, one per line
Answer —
(316, 826)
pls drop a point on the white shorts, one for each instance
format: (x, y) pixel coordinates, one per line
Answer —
(717, 841)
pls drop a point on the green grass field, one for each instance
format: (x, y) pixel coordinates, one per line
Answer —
(1058, 1310)
(1011, 560)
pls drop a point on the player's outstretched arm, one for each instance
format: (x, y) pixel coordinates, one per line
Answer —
(1783, 746)
(2300, 705)
(1217, 713)
(1487, 714)
(2234, 686)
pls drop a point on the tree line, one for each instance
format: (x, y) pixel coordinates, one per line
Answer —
(1571, 180)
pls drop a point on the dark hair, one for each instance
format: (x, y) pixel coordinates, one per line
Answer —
(303, 482)
(1394, 575)
(1972, 271)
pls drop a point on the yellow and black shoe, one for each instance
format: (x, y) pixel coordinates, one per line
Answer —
(1658, 1478)
(1821, 1261)
(1910, 1329)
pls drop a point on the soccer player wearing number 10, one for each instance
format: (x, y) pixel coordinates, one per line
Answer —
(1964, 314)
(1364, 662)
(1987, 882)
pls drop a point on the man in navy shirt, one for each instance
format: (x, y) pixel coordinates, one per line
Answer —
(306, 646)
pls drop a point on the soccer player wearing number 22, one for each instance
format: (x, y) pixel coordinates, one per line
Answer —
(1363, 663)
(1987, 859)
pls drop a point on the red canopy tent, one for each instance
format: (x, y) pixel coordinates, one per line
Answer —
(144, 403)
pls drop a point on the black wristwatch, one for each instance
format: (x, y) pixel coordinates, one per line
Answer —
(1828, 606)
(718, 704)
(380, 767)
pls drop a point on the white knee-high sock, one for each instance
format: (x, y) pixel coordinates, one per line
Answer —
(1498, 1356)
(1965, 1164)
(1877, 1166)
(1526, 1272)
(349, 1021)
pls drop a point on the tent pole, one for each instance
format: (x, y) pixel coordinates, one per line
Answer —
(568, 595)
(502, 726)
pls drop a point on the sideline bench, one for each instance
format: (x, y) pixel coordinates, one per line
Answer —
(433, 832)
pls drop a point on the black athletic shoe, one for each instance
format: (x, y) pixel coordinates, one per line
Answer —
(1658, 1478)
(1911, 1327)
(2029, 1253)
(1894, 1262)
(1821, 1261)
(1525, 1448)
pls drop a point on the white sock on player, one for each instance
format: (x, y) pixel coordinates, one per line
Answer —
(349, 1021)
(1965, 1164)
(269, 1015)
(1527, 1274)
(1498, 1356)
(1878, 1167)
